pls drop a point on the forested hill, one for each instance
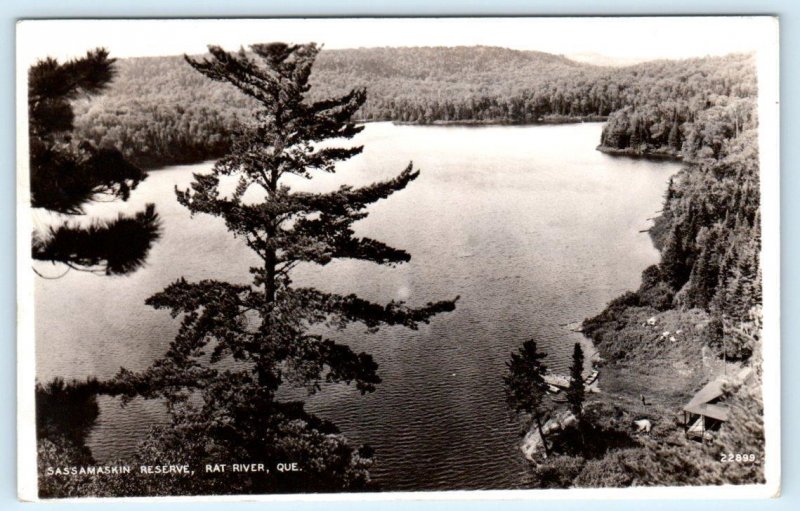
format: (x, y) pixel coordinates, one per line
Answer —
(159, 111)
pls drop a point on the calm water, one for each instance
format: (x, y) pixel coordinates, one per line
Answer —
(531, 226)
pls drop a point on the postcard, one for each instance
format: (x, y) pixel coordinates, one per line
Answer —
(393, 258)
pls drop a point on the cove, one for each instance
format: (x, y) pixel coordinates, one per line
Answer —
(530, 225)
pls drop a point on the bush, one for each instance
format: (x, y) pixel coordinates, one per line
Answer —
(603, 473)
(659, 296)
(558, 471)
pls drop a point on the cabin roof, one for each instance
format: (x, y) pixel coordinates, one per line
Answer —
(701, 402)
(717, 412)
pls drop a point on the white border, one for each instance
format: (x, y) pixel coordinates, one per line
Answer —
(27, 482)
(768, 63)
(768, 94)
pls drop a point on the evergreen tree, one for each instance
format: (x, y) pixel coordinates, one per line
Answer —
(636, 136)
(576, 391)
(239, 345)
(674, 138)
(525, 386)
(705, 273)
(67, 174)
(715, 333)
(673, 265)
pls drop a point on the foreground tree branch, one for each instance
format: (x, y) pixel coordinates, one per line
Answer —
(68, 174)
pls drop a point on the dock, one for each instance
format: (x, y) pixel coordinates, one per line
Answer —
(558, 382)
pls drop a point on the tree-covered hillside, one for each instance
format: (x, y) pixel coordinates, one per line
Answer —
(700, 307)
(158, 113)
(687, 108)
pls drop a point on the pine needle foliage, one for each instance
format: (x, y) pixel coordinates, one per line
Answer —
(67, 174)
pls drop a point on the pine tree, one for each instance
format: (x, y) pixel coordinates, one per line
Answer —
(576, 391)
(525, 386)
(239, 345)
(674, 138)
(673, 265)
(636, 135)
(67, 174)
(704, 278)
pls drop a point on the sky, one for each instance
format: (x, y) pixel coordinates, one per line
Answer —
(623, 40)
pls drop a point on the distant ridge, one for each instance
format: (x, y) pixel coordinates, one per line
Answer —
(599, 59)
(159, 111)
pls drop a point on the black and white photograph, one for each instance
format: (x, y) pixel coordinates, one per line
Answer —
(391, 257)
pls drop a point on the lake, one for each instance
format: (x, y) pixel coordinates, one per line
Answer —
(531, 226)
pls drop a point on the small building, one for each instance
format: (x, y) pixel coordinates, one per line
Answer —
(704, 414)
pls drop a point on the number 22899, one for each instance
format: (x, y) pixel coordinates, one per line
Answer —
(737, 458)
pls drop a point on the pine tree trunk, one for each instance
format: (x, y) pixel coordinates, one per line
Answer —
(265, 374)
(271, 261)
(269, 266)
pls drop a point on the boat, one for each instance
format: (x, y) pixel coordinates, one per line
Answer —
(557, 380)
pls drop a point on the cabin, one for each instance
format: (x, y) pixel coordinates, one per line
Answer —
(704, 414)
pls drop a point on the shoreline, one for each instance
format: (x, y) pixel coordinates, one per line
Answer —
(542, 121)
(602, 362)
(633, 153)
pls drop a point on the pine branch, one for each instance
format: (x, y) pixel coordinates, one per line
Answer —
(114, 247)
(165, 378)
(47, 79)
(367, 249)
(346, 199)
(338, 310)
(64, 178)
(213, 311)
(65, 175)
(322, 230)
(313, 359)
(238, 71)
(301, 161)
